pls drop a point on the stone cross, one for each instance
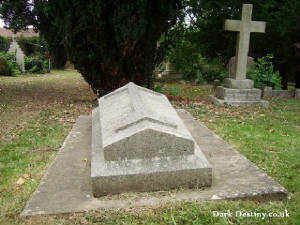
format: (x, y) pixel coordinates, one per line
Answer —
(244, 26)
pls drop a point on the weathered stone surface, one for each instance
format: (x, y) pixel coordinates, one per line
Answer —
(238, 97)
(267, 92)
(229, 94)
(232, 63)
(283, 94)
(238, 84)
(140, 144)
(216, 100)
(66, 185)
(244, 27)
(138, 123)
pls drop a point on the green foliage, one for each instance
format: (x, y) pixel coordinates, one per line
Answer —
(159, 88)
(109, 42)
(263, 74)
(4, 68)
(34, 64)
(8, 64)
(36, 46)
(58, 56)
(212, 75)
(184, 54)
(29, 45)
(45, 63)
(4, 44)
(174, 91)
(187, 60)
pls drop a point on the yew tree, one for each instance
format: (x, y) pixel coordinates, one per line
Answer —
(110, 42)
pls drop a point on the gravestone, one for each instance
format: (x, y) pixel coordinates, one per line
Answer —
(237, 89)
(267, 92)
(170, 73)
(231, 65)
(15, 48)
(139, 143)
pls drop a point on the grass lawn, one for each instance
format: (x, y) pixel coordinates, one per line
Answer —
(37, 112)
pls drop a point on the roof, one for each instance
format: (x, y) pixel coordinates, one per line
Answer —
(26, 33)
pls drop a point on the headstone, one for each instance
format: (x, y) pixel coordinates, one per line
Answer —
(15, 48)
(268, 92)
(231, 65)
(237, 89)
(170, 73)
(139, 143)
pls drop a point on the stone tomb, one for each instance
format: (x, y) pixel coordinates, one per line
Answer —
(139, 143)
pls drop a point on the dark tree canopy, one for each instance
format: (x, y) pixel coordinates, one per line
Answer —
(109, 42)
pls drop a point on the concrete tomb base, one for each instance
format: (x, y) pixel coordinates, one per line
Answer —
(237, 97)
(66, 186)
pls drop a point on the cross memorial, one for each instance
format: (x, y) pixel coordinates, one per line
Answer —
(238, 90)
(244, 26)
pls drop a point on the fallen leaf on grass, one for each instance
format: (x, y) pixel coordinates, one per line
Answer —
(26, 176)
(20, 181)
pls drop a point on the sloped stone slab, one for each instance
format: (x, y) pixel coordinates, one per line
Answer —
(66, 185)
(138, 123)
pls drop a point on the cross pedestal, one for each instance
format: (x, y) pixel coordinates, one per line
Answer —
(238, 90)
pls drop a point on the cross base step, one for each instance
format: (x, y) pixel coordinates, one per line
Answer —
(238, 84)
(216, 100)
(230, 94)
